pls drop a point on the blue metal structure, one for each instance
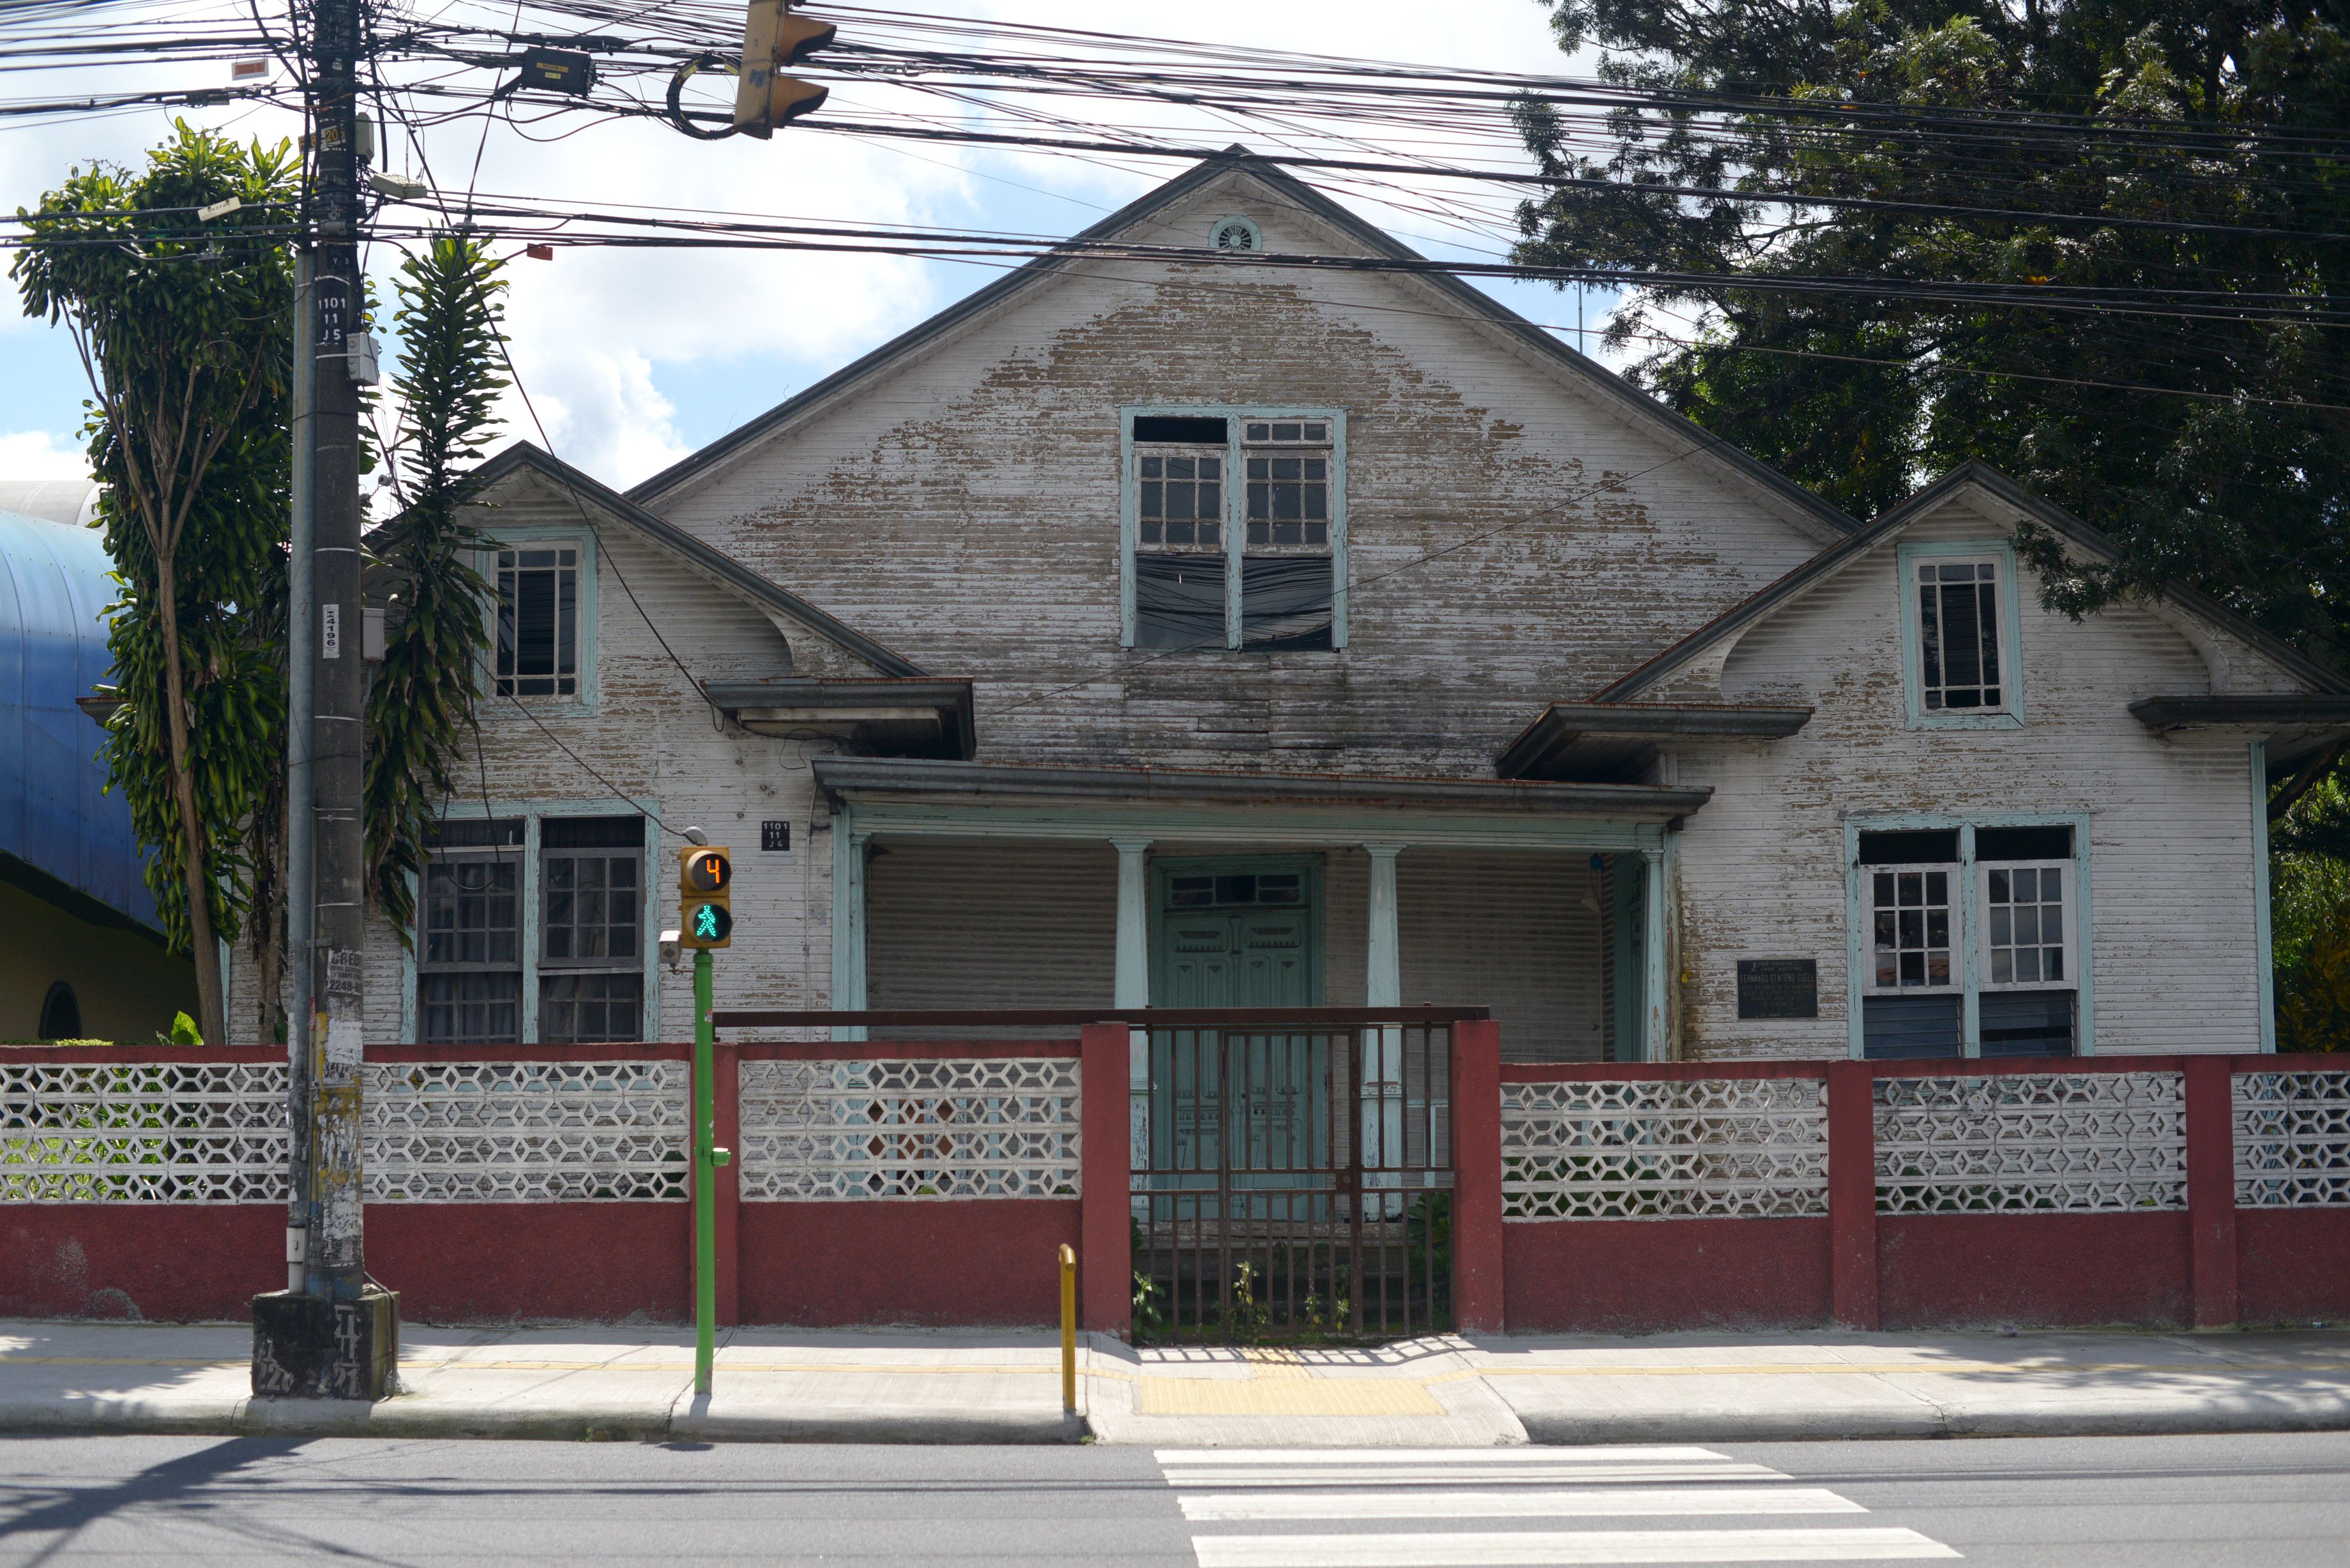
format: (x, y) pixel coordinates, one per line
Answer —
(55, 812)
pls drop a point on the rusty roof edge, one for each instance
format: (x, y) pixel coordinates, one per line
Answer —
(524, 454)
(1976, 472)
(876, 776)
(1476, 302)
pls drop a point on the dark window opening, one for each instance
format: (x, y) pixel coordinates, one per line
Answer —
(1958, 613)
(1931, 847)
(1184, 429)
(474, 833)
(592, 833)
(473, 1008)
(586, 1008)
(1178, 601)
(61, 1014)
(1904, 1028)
(1207, 892)
(1285, 604)
(2026, 1023)
(539, 623)
(2024, 843)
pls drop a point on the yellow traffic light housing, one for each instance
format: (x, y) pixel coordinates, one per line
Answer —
(773, 38)
(705, 916)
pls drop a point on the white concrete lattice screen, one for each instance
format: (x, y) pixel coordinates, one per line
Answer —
(2292, 1140)
(918, 1128)
(526, 1132)
(142, 1132)
(1664, 1149)
(2068, 1143)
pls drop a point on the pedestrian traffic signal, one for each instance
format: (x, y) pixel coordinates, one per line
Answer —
(774, 38)
(704, 874)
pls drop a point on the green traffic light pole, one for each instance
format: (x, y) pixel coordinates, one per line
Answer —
(707, 1158)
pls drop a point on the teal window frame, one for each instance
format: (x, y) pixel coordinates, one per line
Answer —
(2009, 714)
(486, 561)
(1235, 507)
(534, 813)
(1968, 914)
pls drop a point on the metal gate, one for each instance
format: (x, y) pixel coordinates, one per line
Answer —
(1293, 1183)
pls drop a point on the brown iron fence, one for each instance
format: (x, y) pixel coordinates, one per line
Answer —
(1293, 1183)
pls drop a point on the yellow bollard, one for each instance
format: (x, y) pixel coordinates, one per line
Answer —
(1068, 1329)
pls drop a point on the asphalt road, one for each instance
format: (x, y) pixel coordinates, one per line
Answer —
(2270, 1501)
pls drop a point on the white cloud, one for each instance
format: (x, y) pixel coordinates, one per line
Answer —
(622, 348)
(38, 455)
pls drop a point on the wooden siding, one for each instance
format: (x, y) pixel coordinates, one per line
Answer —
(2170, 844)
(963, 508)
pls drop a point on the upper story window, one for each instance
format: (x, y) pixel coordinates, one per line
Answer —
(1957, 634)
(539, 621)
(1236, 534)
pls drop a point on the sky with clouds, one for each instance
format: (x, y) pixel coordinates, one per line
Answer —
(633, 357)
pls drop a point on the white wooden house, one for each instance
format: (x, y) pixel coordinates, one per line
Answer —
(1209, 632)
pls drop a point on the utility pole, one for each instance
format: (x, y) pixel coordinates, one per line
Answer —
(339, 1337)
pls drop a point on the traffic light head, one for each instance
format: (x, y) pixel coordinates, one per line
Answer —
(773, 38)
(702, 869)
(706, 873)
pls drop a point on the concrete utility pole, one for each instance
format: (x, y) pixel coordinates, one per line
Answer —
(340, 1337)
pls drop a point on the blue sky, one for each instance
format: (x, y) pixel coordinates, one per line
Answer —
(632, 358)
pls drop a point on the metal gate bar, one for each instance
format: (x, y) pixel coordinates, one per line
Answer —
(1295, 1183)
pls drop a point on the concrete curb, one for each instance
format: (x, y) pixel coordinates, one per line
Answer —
(398, 1417)
(1553, 1429)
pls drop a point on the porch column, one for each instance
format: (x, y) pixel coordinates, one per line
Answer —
(1652, 953)
(848, 925)
(1383, 1048)
(1383, 964)
(1131, 986)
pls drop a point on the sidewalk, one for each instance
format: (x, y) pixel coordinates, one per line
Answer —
(913, 1387)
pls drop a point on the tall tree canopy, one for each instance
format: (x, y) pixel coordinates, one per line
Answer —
(2212, 119)
(182, 324)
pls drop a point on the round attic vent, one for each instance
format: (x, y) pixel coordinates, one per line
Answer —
(1237, 233)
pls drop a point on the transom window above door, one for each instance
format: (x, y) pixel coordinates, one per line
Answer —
(1208, 892)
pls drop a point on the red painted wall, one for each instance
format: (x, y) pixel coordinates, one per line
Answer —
(2033, 1270)
(2293, 1265)
(988, 1262)
(163, 1262)
(496, 1262)
(1640, 1275)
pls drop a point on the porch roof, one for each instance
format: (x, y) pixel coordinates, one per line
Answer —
(843, 778)
(1594, 739)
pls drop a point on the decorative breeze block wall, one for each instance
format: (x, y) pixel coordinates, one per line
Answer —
(2073, 1143)
(1001, 1126)
(1674, 1149)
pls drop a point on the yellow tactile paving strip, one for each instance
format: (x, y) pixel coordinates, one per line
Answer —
(1279, 1384)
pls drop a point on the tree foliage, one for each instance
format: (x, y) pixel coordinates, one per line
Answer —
(424, 696)
(182, 327)
(2239, 489)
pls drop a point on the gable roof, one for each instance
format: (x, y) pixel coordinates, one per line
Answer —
(1472, 302)
(1842, 554)
(524, 455)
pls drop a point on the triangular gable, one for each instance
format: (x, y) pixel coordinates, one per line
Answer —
(1713, 641)
(1626, 400)
(719, 567)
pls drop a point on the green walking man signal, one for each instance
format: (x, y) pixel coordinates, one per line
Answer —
(704, 874)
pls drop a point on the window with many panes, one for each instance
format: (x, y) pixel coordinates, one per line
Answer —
(538, 650)
(1217, 495)
(469, 914)
(591, 970)
(477, 959)
(1942, 925)
(1958, 665)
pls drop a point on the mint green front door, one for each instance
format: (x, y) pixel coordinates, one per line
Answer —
(1237, 933)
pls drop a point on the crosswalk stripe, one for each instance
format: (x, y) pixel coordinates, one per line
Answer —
(1427, 1474)
(1498, 1549)
(1227, 1458)
(1593, 1502)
